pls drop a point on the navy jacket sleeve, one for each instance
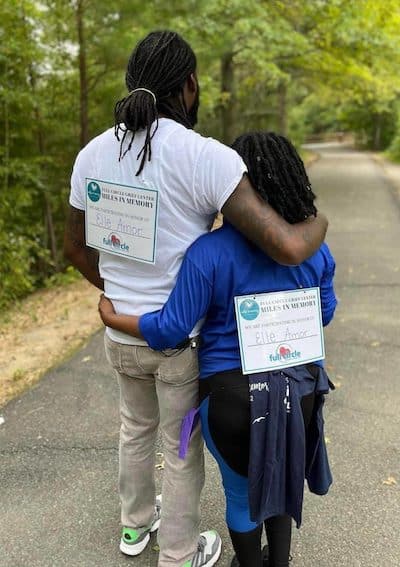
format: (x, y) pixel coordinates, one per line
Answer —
(328, 297)
(187, 304)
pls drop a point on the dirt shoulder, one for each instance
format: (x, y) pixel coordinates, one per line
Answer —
(41, 331)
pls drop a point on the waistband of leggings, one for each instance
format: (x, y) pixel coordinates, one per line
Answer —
(234, 378)
(225, 380)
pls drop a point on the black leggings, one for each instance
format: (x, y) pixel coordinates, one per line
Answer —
(229, 425)
(247, 545)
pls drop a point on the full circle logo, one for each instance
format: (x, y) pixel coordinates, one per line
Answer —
(113, 240)
(249, 309)
(284, 350)
(94, 192)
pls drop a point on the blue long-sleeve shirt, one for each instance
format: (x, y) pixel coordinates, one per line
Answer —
(216, 268)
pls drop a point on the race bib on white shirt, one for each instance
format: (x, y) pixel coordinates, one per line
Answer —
(122, 219)
(279, 329)
(193, 176)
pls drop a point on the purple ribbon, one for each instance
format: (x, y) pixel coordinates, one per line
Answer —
(189, 422)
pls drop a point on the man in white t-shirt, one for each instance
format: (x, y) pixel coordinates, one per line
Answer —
(171, 182)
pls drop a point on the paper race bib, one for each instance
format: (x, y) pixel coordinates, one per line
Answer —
(280, 329)
(122, 219)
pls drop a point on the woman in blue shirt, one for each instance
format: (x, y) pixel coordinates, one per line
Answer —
(263, 462)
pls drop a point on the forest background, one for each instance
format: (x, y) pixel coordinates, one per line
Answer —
(299, 67)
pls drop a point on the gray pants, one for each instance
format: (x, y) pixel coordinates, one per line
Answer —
(157, 390)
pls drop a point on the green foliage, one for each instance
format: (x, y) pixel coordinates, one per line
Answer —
(68, 276)
(18, 255)
(393, 152)
(296, 66)
(374, 130)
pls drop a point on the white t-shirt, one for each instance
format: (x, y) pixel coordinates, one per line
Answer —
(194, 177)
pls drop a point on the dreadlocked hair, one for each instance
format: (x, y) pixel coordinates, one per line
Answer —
(160, 63)
(277, 173)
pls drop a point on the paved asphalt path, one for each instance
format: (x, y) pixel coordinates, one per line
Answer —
(58, 443)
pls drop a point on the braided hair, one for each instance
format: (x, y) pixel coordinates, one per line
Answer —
(159, 66)
(277, 173)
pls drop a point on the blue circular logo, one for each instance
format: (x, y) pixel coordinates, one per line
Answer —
(249, 309)
(94, 192)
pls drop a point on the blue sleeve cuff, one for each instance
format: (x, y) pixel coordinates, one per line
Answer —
(149, 328)
(328, 311)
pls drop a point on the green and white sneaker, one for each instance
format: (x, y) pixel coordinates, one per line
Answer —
(134, 540)
(208, 550)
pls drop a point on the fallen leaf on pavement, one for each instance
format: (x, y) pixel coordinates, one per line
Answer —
(390, 481)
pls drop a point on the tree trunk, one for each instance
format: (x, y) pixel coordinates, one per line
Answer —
(6, 138)
(48, 213)
(377, 141)
(228, 98)
(282, 109)
(83, 80)
(51, 234)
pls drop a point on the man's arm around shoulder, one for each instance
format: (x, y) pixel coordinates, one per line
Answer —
(288, 244)
(83, 258)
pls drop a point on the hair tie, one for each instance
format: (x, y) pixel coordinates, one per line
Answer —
(146, 91)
